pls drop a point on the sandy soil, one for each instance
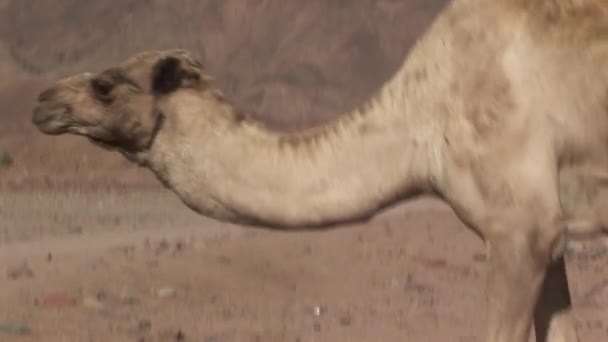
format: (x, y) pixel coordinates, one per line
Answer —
(118, 265)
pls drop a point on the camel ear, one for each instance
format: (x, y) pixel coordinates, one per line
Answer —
(170, 73)
(167, 75)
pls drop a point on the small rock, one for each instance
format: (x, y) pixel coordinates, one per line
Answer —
(19, 272)
(479, 257)
(316, 327)
(436, 263)
(165, 292)
(140, 326)
(599, 252)
(101, 296)
(129, 300)
(162, 247)
(152, 263)
(318, 310)
(346, 321)
(57, 300)
(179, 336)
(180, 245)
(224, 260)
(92, 303)
(412, 285)
(15, 328)
(573, 249)
(5, 160)
(211, 338)
(75, 229)
(147, 244)
(127, 297)
(307, 250)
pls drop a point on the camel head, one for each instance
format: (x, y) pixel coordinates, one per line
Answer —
(117, 108)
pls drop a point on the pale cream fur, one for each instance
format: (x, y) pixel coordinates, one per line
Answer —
(501, 109)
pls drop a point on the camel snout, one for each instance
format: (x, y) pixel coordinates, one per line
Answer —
(40, 115)
(49, 119)
(47, 95)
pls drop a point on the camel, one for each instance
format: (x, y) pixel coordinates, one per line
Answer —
(500, 110)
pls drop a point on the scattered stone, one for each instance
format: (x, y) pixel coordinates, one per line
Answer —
(152, 263)
(5, 160)
(599, 252)
(595, 290)
(179, 336)
(227, 314)
(127, 297)
(346, 321)
(140, 326)
(316, 327)
(479, 257)
(92, 303)
(57, 300)
(224, 260)
(318, 310)
(128, 251)
(211, 338)
(165, 292)
(412, 285)
(13, 328)
(388, 230)
(436, 263)
(129, 300)
(101, 296)
(179, 246)
(162, 247)
(147, 244)
(307, 250)
(573, 249)
(21, 271)
(75, 229)
(249, 234)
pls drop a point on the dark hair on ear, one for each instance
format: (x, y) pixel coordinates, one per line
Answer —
(167, 75)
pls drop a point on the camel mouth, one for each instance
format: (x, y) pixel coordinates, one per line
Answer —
(103, 143)
(50, 120)
(52, 127)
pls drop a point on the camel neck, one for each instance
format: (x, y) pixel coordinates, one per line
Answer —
(342, 171)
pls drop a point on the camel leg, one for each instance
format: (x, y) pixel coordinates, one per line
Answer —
(552, 319)
(518, 261)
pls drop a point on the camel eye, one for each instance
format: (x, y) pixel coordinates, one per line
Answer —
(102, 88)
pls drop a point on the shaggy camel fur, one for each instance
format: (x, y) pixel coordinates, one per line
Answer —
(500, 110)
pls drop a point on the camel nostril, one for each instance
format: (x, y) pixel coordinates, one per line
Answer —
(40, 116)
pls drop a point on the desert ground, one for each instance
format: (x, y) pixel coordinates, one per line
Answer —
(92, 248)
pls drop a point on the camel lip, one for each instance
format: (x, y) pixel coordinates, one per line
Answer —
(102, 143)
(51, 126)
(50, 119)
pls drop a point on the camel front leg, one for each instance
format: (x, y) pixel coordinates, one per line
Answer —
(514, 281)
(518, 261)
(553, 321)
